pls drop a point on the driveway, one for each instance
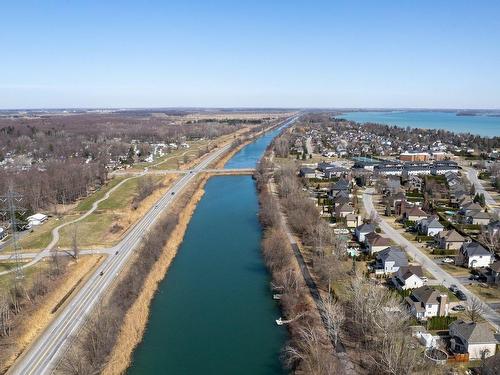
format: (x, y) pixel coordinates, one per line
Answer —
(419, 256)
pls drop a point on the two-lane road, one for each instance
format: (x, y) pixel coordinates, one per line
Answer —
(419, 256)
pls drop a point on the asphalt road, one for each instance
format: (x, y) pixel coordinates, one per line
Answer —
(43, 354)
(41, 357)
(419, 256)
(473, 178)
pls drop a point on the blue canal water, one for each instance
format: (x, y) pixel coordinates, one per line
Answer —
(481, 125)
(249, 156)
(214, 313)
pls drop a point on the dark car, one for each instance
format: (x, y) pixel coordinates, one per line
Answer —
(461, 295)
(173, 192)
(458, 308)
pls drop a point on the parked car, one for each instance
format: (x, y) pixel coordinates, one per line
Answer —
(448, 260)
(458, 308)
(424, 279)
(453, 288)
(461, 295)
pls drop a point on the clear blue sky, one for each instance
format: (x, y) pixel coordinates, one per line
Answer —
(404, 53)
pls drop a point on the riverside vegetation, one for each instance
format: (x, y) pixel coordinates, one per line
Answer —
(372, 322)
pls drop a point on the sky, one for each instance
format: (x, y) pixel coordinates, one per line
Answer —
(270, 53)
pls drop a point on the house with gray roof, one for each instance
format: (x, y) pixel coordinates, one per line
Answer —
(362, 230)
(473, 255)
(472, 338)
(391, 260)
(450, 240)
(430, 226)
(426, 302)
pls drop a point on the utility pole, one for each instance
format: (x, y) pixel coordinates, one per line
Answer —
(9, 210)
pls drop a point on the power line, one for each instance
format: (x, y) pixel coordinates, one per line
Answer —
(11, 210)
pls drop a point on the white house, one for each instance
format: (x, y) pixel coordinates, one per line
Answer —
(37, 219)
(408, 278)
(391, 260)
(430, 226)
(472, 338)
(426, 302)
(473, 255)
(376, 242)
(362, 230)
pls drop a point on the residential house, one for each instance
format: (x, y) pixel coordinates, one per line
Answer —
(409, 277)
(479, 218)
(473, 255)
(415, 183)
(307, 172)
(426, 302)
(391, 260)
(470, 207)
(430, 226)
(414, 214)
(352, 220)
(362, 230)
(343, 210)
(450, 240)
(341, 185)
(472, 338)
(376, 243)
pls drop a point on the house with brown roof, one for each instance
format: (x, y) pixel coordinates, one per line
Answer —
(376, 243)
(426, 302)
(472, 338)
(414, 214)
(450, 240)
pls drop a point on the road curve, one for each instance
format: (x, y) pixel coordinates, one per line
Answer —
(418, 255)
(55, 232)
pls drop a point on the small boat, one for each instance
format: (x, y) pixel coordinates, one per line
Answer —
(277, 296)
(279, 321)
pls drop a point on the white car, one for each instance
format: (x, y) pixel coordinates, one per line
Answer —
(448, 260)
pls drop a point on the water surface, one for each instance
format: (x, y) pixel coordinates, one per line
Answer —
(482, 124)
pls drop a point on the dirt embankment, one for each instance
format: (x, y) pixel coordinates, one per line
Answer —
(136, 318)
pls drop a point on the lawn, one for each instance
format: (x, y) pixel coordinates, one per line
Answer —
(490, 293)
(451, 297)
(86, 204)
(454, 270)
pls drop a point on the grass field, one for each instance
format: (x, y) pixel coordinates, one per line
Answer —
(451, 297)
(489, 294)
(87, 203)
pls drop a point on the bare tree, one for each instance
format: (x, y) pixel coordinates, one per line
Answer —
(334, 316)
(74, 242)
(474, 309)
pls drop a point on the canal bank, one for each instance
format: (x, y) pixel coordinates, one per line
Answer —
(213, 312)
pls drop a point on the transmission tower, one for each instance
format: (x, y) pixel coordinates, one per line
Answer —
(9, 210)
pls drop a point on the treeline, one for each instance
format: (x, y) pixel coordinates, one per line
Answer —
(59, 182)
(58, 159)
(308, 349)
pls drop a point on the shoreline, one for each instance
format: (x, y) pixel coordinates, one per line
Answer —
(137, 317)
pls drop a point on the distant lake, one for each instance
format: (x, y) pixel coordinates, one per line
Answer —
(481, 125)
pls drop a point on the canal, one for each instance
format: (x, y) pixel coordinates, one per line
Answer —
(214, 313)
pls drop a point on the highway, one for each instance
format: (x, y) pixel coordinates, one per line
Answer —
(43, 354)
(41, 357)
(442, 277)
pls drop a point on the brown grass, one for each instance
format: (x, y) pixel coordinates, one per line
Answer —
(36, 318)
(135, 320)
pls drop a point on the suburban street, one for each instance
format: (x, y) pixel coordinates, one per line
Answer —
(41, 357)
(419, 256)
(473, 178)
